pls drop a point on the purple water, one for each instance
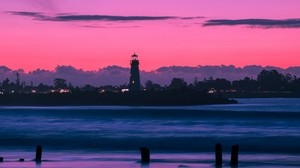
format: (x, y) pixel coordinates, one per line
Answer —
(267, 131)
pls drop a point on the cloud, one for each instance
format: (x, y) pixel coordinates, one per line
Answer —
(77, 17)
(71, 17)
(4, 69)
(192, 18)
(116, 75)
(35, 15)
(32, 14)
(67, 70)
(261, 23)
(108, 18)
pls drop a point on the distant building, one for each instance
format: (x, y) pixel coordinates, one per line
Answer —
(134, 83)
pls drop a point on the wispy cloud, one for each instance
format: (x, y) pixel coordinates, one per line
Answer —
(192, 18)
(260, 23)
(35, 15)
(71, 17)
(78, 17)
(108, 18)
(32, 14)
(108, 27)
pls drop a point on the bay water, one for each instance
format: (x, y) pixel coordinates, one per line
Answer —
(267, 130)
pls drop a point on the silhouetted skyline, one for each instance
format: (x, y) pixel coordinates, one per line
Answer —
(117, 75)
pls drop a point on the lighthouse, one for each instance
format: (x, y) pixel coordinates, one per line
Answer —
(134, 82)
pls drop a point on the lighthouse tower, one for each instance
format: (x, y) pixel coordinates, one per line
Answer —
(134, 83)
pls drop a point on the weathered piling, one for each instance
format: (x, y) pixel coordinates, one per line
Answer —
(38, 153)
(234, 155)
(218, 154)
(145, 155)
(1, 159)
(21, 160)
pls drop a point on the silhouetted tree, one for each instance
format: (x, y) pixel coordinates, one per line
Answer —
(270, 80)
(292, 83)
(221, 84)
(71, 86)
(5, 84)
(18, 79)
(43, 88)
(296, 85)
(88, 88)
(177, 84)
(246, 84)
(60, 83)
(150, 86)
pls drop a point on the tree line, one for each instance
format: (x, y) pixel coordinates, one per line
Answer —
(266, 81)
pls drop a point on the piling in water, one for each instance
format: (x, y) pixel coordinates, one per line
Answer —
(1, 159)
(218, 154)
(145, 155)
(38, 153)
(21, 160)
(234, 155)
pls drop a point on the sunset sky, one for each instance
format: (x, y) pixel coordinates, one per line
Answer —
(97, 33)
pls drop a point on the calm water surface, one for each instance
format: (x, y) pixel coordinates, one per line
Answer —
(267, 131)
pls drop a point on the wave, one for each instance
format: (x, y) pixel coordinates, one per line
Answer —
(150, 114)
(271, 144)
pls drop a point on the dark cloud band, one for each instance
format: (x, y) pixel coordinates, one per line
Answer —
(43, 17)
(259, 23)
(34, 14)
(262, 23)
(108, 18)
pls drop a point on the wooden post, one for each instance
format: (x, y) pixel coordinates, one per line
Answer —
(21, 160)
(145, 155)
(1, 159)
(38, 153)
(218, 154)
(234, 155)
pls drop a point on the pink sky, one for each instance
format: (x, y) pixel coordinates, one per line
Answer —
(30, 42)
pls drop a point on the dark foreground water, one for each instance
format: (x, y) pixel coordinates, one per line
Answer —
(267, 130)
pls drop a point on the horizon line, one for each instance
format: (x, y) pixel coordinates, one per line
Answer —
(119, 66)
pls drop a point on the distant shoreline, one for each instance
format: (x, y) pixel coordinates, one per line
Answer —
(234, 95)
(134, 99)
(115, 99)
